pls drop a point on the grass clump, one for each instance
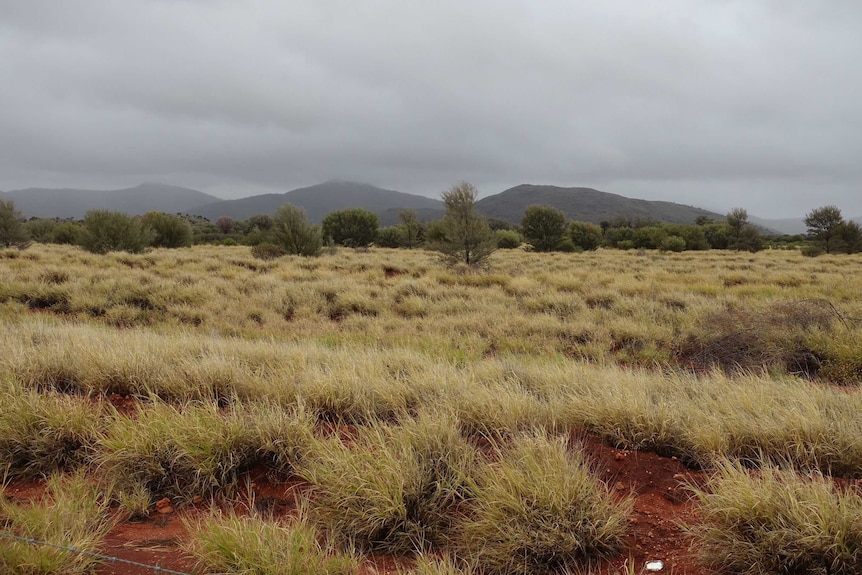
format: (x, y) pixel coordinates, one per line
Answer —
(395, 488)
(778, 521)
(539, 510)
(197, 450)
(227, 543)
(73, 515)
(44, 433)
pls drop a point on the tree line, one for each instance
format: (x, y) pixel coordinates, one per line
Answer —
(462, 235)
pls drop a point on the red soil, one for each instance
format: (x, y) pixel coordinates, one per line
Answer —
(656, 483)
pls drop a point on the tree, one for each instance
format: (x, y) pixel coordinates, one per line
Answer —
(352, 228)
(463, 235)
(226, 224)
(848, 238)
(543, 227)
(585, 235)
(169, 231)
(11, 228)
(741, 235)
(106, 231)
(822, 225)
(412, 228)
(294, 233)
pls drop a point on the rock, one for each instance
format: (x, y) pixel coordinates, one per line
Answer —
(620, 486)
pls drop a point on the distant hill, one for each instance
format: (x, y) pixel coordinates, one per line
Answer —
(321, 200)
(73, 203)
(586, 205)
(789, 226)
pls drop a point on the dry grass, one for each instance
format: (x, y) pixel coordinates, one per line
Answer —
(778, 521)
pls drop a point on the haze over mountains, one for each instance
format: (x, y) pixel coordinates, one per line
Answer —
(583, 204)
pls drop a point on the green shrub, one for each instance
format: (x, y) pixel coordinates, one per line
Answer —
(392, 237)
(353, 228)
(293, 232)
(543, 227)
(673, 244)
(539, 510)
(106, 231)
(267, 251)
(584, 235)
(168, 230)
(778, 521)
(508, 239)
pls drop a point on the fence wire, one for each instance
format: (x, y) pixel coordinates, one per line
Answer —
(106, 558)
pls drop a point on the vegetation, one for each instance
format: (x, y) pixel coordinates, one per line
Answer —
(169, 231)
(779, 521)
(74, 515)
(543, 227)
(414, 405)
(106, 231)
(353, 228)
(463, 235)
(832, 233)
(12, 230)
(292, 232)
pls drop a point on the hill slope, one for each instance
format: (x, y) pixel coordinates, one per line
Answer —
(321, 200)
(74, 203)
(586, 205)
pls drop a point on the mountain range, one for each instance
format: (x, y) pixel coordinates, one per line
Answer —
(582, 204)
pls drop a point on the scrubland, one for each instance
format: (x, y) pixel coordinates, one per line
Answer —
(433, 412)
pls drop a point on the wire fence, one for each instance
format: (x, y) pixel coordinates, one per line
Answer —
(99, 556)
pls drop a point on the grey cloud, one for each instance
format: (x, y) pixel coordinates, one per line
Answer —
(751, 103)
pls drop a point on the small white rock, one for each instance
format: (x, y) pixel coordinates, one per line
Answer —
(654, 566)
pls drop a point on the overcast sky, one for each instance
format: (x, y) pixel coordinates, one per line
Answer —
(714, 103)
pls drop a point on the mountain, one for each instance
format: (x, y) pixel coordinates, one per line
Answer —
(586, 205)
(72, 203)
(321, 200)
(789, 226)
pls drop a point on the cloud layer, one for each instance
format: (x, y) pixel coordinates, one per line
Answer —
(717, 104)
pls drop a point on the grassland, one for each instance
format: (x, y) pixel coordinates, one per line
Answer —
(426, 406)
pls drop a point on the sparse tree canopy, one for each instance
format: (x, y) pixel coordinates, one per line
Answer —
(294, 233)
(463, 235)
(352, 228)
(226, 224)
(11, 228)
(823, 223)
(543, 227)
(741, 235)
(412, 228)
(106, 231)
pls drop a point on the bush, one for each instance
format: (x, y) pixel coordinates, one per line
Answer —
(539, 510)
(543, 227)
(267, 251)
(69, 233)
(12, 230)
(392, 237)
(463, 235)
(673, 244)
(41, 230)
(586, 236)
(508, 239)
(293, 232)
(169, 231)
(353, 228)
(106, 231)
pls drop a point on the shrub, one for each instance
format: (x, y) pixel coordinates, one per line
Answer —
(673, 244)
(293, 232)
(586, 236)
(778, 521)
(508, 239)
(353, 228)
(539, 510)
(169, 231)
(267, 251)
(106, 231)
(463, 235)
(392, 237)
(543, 227)
(69, 233)
(227, 543)
(12, 230)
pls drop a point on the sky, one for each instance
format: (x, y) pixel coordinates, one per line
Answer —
(713, 103)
